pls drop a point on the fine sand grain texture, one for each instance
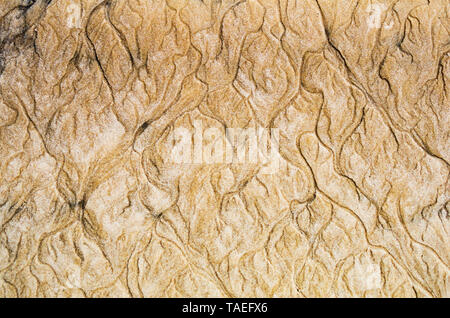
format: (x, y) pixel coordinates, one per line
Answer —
(126, 160)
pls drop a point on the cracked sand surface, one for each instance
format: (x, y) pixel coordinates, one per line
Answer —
(91, 92)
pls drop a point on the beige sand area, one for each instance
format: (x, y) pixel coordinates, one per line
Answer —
(93, 93)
